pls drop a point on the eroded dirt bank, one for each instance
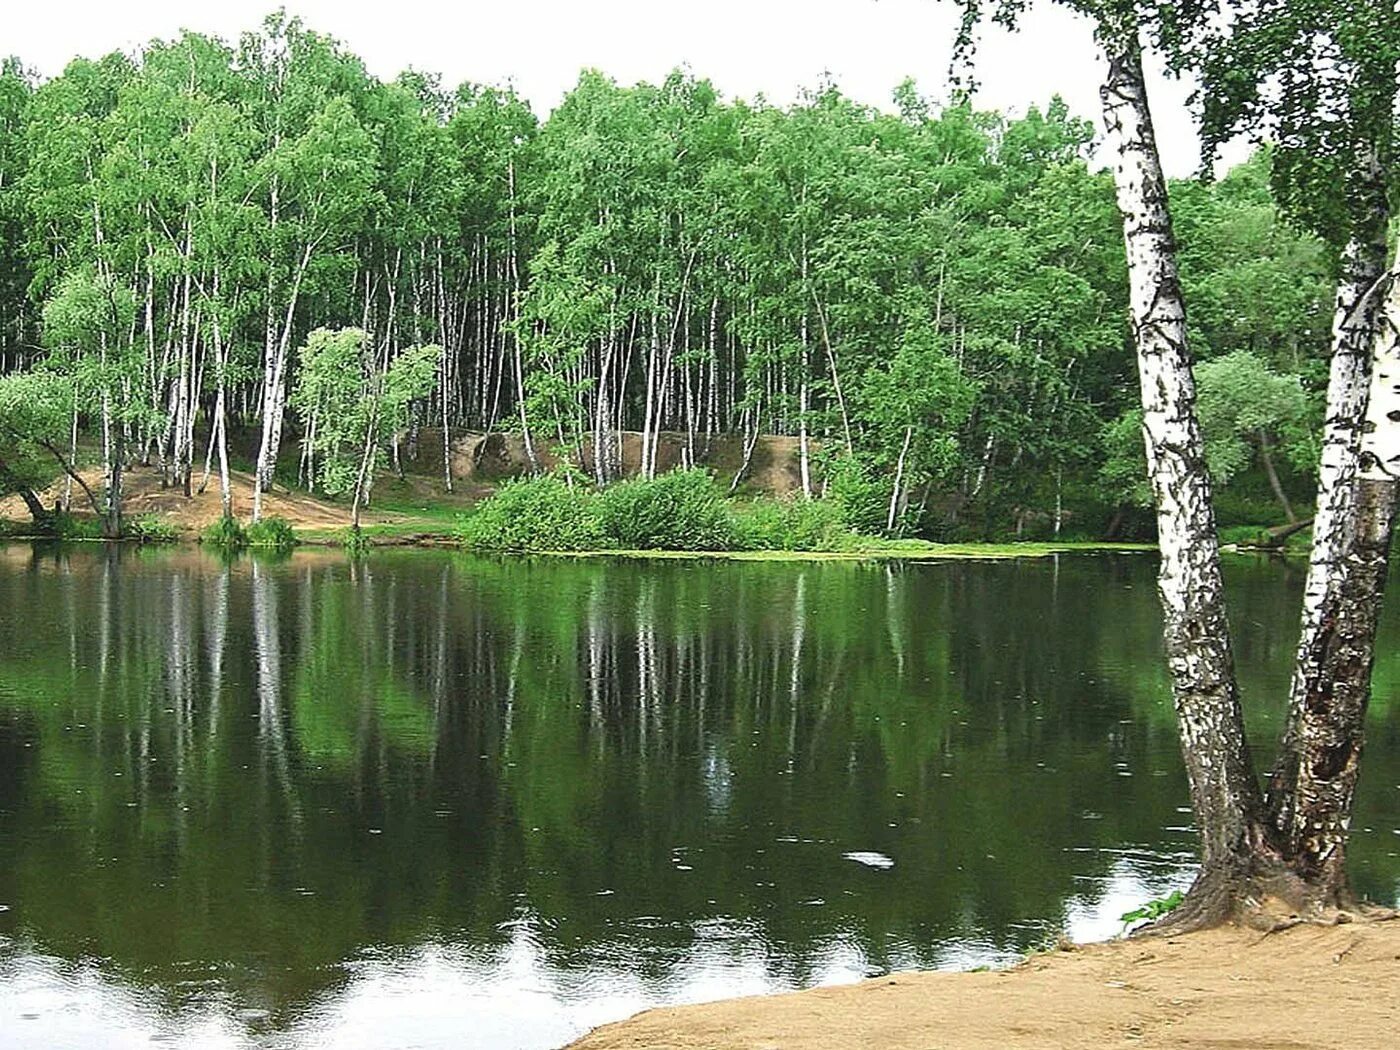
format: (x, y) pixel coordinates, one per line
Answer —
(1306, 987)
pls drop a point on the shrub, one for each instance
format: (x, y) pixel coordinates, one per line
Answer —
(682, 510)
(356, 542)
(862, 498)
(535, 514)
(68, 526)
(147, 528)
(227, 533)
(272, 532)
(793, 525)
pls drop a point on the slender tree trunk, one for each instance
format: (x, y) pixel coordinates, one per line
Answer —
(898, 480)
(67, 503)
(1059, 501)
(1224, 791)
(1267, 456)
(275, 375)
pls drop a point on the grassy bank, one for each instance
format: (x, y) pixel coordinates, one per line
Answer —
(680, 514)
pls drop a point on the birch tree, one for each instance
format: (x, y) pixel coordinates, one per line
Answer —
(1318, 77)
(1255, 861)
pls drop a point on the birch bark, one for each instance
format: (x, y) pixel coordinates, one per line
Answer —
(1331, 677)
(1224, 792)
(1316, 780)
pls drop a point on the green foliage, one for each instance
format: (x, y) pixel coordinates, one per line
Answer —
(792, 525)
(860, 497)
(1153, 909)
(66, 526)
(547, 513)
(1245, 536)
(350, 400)
(678, 511)
(272, 532)
(227, 533)
(356, 542)
(682, 510)
(35, 409)
(1247, 412)
(149, 528)
(933, 297)
(1244, 408)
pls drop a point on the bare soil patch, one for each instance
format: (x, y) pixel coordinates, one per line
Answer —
(1305, 988)
(143, 493)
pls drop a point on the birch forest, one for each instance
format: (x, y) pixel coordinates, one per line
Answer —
(927, 300)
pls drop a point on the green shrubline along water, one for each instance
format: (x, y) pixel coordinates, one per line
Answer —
(436, 800)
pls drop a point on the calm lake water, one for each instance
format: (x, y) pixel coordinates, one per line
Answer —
(438, 801)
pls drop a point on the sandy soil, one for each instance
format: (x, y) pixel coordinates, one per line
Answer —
(1306, 987)
(476, 469)
(144, 495)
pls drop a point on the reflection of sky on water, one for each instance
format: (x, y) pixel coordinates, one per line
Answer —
(508, 998)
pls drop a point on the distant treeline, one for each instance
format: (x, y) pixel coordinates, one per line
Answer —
(935, 297)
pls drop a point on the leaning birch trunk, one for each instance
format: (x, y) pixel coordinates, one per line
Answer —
(898, 480)
(1224, 792)
(1332, 683)
(1331, 677)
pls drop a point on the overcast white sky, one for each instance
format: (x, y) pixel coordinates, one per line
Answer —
(746, 47)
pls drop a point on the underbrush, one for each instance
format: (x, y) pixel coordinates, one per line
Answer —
(682, 510)
(272, 532)
(549, 513)
(679, 511)
(148, 528)
(356, 542)
(227, 533)
(68, 526)
(793, 525)
(230, 534)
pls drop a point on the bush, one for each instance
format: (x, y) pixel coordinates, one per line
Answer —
(272, 532)
(227, 533)
(682, 510)
(793, 525)
(535, 514)
(356, 542)
(68, 526)
(862, 498)
(147, 528)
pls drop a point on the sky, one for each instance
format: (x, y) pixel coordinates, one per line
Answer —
(745, 47)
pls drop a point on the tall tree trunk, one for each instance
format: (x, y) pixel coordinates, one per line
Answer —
(1224, 792)
(898, 480)
(1329, 685)
(1314, 782)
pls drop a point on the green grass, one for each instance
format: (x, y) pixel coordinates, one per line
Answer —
(908, 550)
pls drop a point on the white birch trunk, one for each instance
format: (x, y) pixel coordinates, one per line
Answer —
(1224, 792)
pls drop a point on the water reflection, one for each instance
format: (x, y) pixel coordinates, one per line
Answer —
(428, 800)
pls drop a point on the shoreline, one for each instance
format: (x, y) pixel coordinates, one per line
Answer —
(903, 550)
(1314, 987)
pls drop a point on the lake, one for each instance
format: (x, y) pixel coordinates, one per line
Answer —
(432, 800)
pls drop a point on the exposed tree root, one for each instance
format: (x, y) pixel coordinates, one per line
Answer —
(1265, 896)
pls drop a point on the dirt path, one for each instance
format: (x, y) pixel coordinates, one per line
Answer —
(1308, 987)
